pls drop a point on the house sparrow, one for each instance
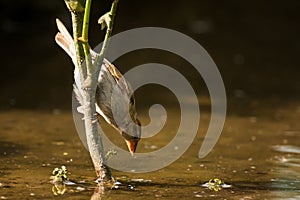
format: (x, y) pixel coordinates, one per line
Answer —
(113, 93)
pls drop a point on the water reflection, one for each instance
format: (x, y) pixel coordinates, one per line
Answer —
(287, 172)
(241, 158)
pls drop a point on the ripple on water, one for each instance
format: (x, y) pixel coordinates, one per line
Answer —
(286, 179)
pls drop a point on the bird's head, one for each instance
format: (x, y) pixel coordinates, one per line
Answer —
(132, 135)
(131, 129)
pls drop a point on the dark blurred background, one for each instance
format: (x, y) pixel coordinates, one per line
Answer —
(255, 45)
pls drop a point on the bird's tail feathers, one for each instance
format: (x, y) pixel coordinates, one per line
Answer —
(65, 40)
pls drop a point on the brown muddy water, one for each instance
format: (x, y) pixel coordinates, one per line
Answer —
(258, 154)
(256, 47)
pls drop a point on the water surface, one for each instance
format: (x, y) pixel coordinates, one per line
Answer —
(257, 153)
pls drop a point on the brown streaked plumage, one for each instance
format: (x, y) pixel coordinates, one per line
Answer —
(113, 93)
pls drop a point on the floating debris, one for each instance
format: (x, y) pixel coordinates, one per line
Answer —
(116, 185)
(216, 184)
(141, 180)
(126, 183)
(67, 182)
(80, 188)
(131, 187)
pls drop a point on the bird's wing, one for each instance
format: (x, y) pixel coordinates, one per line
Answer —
(118, 77)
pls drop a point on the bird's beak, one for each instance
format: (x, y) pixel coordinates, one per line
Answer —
(131, 146)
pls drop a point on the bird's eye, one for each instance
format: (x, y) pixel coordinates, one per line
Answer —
(136, 138)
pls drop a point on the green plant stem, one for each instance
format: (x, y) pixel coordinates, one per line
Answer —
(112, 14)
(76, 9)
(86, 19)
(84, 37)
